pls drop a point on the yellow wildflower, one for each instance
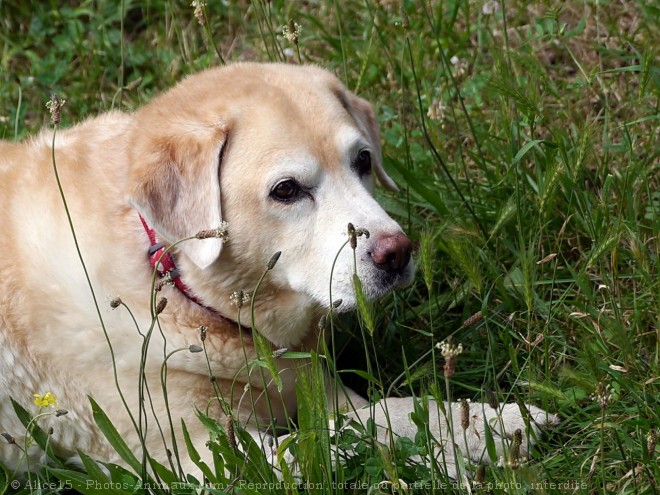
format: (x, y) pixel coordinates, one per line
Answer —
(48, 399)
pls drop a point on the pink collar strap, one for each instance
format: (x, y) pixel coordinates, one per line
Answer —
(162, 261)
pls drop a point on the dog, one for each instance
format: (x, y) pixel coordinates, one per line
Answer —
(242, 162)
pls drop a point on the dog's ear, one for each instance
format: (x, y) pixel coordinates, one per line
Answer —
(174, 183)
(363, 113)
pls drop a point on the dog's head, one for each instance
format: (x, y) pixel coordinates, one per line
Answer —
(287, 157)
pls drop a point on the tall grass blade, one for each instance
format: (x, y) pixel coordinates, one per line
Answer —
(35, 431)
(113, 437)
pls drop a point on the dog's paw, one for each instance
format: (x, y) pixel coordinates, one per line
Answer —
(513, 429)
(510, 426)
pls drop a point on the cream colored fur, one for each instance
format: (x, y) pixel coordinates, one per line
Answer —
(210, 149)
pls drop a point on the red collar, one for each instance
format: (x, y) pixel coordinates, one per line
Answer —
(163, 263)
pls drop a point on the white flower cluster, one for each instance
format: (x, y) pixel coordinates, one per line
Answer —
(239, 298)
(447, 349)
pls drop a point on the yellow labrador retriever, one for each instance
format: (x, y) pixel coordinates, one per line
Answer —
(286, 156)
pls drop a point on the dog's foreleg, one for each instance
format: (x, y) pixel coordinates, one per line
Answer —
(512, 428)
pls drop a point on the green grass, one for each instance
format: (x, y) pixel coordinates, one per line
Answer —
(526, 145)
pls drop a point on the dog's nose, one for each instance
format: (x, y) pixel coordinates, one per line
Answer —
(391, 252)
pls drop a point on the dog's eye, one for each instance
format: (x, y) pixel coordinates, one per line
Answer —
(285, 191)
(363, 163)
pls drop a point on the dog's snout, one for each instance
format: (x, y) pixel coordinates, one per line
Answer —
(391, 252)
